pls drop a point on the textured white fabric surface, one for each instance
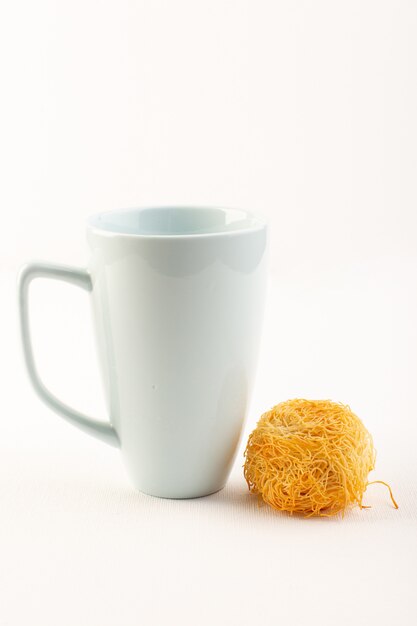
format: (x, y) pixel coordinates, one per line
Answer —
(79, 546)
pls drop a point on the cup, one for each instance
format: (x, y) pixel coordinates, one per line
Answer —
(177, 296)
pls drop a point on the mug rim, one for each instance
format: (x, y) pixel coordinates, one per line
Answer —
(255, 222)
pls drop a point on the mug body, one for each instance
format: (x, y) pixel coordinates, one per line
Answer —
(178, 296)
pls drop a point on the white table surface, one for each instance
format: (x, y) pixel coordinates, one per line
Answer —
(79, 546)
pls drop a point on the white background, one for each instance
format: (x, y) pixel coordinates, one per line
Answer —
(303, 111)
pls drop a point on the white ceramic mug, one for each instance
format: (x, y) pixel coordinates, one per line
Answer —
(177, 297)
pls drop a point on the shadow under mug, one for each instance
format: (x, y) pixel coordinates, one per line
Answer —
(177, 296)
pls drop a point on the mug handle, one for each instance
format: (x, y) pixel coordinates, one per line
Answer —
(81, 278)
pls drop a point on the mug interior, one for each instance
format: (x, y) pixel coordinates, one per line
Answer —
(169, 221)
